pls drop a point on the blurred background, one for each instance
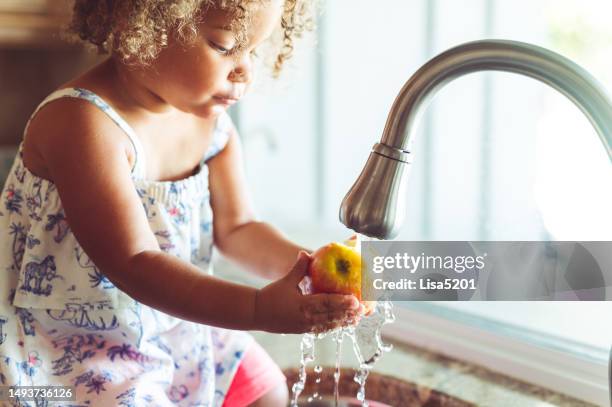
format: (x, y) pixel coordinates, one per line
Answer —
(497, 157)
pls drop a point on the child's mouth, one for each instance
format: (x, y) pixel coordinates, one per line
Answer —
(224, 100)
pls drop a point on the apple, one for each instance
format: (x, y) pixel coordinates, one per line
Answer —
(336, 268)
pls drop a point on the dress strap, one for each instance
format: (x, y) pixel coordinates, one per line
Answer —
(221, 135)
(138, 170)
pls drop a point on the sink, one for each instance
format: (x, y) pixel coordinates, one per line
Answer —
(381, 391)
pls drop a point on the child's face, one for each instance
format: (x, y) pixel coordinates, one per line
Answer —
(206, 78)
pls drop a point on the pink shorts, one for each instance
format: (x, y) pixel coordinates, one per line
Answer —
(257, 374)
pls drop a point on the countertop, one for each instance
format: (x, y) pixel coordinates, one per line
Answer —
(428, 370)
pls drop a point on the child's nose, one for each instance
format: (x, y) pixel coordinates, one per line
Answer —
(242, 72)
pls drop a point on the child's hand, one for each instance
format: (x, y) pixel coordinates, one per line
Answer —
(280, 307)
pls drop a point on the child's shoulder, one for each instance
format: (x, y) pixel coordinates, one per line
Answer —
(67, 125)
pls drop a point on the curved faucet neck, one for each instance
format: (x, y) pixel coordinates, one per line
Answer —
(376, 203)
(497, 55)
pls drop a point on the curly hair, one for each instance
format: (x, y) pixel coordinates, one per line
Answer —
(137, 30)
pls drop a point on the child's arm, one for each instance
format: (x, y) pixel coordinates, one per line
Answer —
(257, 246)
(86, 157)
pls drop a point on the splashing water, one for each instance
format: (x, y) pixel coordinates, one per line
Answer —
(367, 343)
(308, 355)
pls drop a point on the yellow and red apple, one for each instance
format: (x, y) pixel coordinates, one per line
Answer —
(336, 268)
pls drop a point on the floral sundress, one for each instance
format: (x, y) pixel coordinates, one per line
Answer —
(62, 322)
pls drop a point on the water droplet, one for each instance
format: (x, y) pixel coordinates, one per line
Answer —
(318, 369)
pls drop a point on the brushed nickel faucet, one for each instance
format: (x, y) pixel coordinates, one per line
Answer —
(375, 204)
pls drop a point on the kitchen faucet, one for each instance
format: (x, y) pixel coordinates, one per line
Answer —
(376, 203)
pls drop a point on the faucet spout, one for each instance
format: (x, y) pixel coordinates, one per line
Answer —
(375, 205)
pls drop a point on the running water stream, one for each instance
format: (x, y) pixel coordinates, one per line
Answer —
(368, 347)
(338, 338)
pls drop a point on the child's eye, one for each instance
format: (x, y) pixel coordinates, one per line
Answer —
(221, 49)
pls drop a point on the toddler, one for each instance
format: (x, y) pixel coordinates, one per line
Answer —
(126, 178)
